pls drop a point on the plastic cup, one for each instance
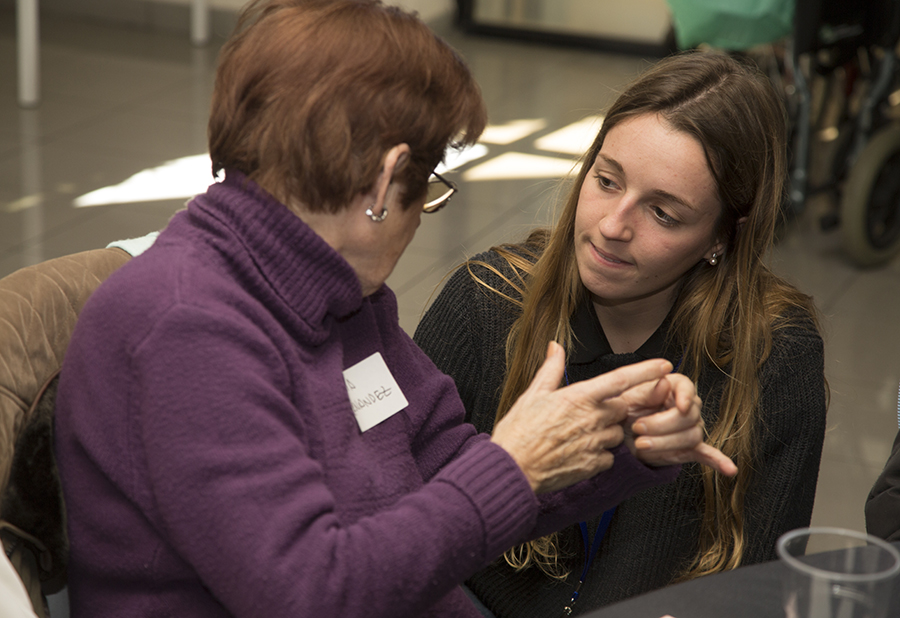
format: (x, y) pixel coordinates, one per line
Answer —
(837, 573)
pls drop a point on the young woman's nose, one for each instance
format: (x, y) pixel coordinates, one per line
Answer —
(616, 223)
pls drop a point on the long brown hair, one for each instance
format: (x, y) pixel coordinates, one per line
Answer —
(724, 315)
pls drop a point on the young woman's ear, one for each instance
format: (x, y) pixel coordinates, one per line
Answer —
(715, 253)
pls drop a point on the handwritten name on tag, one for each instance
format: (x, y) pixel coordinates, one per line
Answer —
(374, 394)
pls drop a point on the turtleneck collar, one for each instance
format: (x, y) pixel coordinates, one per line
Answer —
(310, 277)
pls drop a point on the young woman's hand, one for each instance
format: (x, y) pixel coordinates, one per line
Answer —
(664, 426)
(559, 436)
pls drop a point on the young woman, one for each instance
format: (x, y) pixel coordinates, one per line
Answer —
(659, 251)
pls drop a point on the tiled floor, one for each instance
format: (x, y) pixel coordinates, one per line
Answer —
(118, 101)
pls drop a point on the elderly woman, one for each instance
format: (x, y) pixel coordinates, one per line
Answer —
(243, 427)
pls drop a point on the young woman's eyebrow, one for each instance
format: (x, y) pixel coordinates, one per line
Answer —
(611, 162)
(665, 195)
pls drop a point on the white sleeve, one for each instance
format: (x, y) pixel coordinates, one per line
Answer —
(135, 246)
(14, 601)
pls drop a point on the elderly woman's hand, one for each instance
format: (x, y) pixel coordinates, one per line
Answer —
(559, 436)
(663, 426)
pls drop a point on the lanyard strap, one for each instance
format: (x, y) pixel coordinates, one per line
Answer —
(591, 547)
(590, 550)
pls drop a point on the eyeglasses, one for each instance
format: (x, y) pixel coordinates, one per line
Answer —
(440, 190)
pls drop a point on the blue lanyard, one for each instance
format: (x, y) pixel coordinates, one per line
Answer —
(589, 552)
(592, 547)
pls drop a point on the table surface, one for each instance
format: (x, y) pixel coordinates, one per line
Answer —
(748, 592)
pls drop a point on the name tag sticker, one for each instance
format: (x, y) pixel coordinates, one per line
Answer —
(374, 394)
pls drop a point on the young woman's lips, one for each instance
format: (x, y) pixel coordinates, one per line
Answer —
(609, 258)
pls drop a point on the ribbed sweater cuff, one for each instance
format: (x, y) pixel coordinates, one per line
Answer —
(629, 475)
(499, 491)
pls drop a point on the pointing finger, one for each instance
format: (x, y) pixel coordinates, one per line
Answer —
(616, 382)
(715, 459)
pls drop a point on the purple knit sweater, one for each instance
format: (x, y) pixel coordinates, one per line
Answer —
(211, 462)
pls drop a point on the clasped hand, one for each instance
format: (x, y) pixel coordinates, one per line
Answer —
(561, 435)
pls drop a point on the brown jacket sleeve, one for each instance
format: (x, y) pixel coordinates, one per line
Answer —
(38, 308)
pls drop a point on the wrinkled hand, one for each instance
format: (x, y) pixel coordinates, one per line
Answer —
(663, 426)
(559, 436)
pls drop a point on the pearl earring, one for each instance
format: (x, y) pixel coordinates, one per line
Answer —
(714, 259)
(377, 218)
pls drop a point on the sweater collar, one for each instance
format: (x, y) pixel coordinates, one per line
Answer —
(300, 267)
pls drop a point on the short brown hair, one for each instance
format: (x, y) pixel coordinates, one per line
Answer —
(310, 94)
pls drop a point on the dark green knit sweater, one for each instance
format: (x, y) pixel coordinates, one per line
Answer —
(653, 535)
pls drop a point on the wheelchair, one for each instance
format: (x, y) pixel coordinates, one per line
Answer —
(838, 70)
(850, 49)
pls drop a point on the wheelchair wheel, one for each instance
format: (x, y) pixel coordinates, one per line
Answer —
(870, 206)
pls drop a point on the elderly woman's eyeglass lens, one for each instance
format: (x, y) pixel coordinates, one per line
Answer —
(440, 190)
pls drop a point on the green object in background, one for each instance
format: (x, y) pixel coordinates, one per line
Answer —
(730, 24)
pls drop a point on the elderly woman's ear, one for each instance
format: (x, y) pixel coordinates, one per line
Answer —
(394, 160)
